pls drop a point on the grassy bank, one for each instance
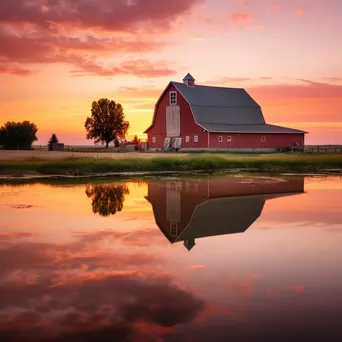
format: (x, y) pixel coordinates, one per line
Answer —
(88, 166)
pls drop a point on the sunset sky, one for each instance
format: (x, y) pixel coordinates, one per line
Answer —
(57, 56)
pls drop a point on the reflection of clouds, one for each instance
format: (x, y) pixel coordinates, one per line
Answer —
(141, 237)
(98, 304)
(78, 292)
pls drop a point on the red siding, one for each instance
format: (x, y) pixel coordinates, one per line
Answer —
(247, 140)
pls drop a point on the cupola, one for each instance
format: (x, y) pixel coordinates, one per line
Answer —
(189, 80)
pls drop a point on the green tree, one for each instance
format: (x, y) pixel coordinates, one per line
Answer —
(106, 123)
(107, 199)
(18, 135)
(136, 140)
(53, 140)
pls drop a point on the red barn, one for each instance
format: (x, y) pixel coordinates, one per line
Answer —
(197, 117)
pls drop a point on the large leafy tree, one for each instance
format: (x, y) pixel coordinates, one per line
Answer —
(18, 135)
(106, 123)
(107, 199)
(52, 140)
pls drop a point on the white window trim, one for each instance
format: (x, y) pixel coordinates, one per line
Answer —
(263, 138)
(196, 138)
(154, 140)
(187, 139)
(170, 96)
(220, 138)
(229, 138)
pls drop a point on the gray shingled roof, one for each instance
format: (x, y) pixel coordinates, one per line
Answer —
(219, 109)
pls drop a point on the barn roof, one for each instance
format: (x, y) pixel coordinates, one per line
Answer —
(219, 109)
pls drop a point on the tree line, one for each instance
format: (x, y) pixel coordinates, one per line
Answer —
(106, 124)
(18, 135)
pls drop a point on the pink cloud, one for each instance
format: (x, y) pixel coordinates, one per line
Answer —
(79, 33)
(273, 7)
(23, 50)
(299, 288)
(13, 69)
(244, 287)
(110, 15)
(305, 89)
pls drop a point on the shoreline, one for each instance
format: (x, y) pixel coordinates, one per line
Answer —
(166, 165)
(127, 175)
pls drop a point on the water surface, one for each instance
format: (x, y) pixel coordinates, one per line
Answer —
(213, 259)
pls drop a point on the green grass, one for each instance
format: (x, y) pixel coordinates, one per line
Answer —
(206, 162)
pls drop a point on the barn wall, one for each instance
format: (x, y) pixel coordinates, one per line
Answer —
(188, 127)
(254, 140)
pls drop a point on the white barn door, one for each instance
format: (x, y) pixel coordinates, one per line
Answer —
(172, 121)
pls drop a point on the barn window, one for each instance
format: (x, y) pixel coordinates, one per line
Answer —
(229, 138)
(154, 140)
(263, 138)
(187, 138)
(196, 138)
(173, 229)
(173, 97)
(220, 138)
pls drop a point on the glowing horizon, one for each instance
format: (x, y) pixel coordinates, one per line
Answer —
(56, 57)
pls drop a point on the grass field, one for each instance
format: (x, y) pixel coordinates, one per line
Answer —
(169, 162)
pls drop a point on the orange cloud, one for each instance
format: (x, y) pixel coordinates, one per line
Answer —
(138, 68)
(241, 16)
(299, 12)
(197, 267)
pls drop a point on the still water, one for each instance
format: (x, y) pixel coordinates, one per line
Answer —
(212, 259)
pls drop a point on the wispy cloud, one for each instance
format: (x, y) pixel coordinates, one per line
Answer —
(241, 16)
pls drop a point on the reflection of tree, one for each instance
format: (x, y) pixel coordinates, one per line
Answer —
(107, 199)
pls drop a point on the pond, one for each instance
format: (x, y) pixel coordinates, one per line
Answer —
(216, 258)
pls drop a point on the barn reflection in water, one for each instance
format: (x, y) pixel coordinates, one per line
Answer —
(189, 209)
